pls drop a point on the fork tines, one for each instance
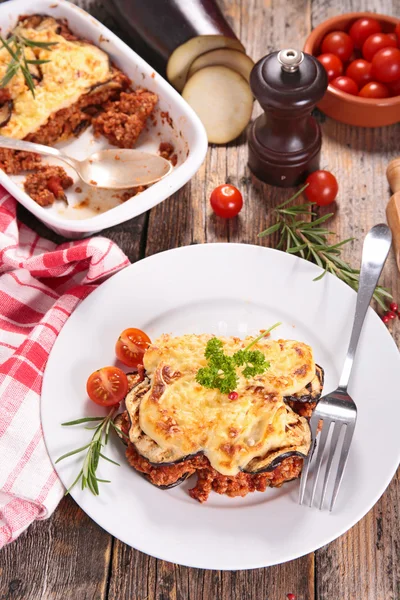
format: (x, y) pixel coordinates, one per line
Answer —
(334, 418)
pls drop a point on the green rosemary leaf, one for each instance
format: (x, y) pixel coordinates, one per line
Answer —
(270, 230)
(72, 453)
(36, 44)
(83, 420)
(37, 62)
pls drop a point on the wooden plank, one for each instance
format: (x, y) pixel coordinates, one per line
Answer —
(66, 556)
(365, 562)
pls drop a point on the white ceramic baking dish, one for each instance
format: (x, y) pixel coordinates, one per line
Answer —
(174, 122)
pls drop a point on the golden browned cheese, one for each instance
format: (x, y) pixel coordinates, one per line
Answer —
(184, 417)
(73, 69)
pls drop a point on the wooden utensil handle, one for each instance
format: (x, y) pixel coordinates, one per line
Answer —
(393, 175)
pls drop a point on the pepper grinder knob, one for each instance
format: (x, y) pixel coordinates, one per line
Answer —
(290, 59)
(285, 141)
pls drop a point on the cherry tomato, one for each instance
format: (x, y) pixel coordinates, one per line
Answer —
(397, 30)
(359, 71)
(333, 65)
(338, 43)
(393, 36)
(395, 88)
(107, 386)
(363, 28)
(386, 65)
(226, 201)
(322, 188)
(345, 84)
(131, 346)
(374, 89)
(376, 42)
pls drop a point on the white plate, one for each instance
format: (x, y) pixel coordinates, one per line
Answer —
(230, 289)
(184, 130)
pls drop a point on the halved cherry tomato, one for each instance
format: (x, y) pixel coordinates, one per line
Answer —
(359, 71)
(338, 43)
(363, 28)
(322, 188)
(386, 65)
(376, 42)
(345, 84)
(107, 386)
(333, 65)
(374, 89)
(226, 201)
(131, 346)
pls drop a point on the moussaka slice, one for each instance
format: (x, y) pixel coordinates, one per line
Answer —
(236, 443)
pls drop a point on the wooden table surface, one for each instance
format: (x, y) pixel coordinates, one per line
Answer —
(68, 557)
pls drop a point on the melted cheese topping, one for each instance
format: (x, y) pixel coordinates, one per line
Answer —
(73, 68)
(177, 412)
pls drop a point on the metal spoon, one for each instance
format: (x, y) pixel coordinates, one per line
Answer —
(113, 168)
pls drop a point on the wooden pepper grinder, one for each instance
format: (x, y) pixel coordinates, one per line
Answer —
(285, 141)
(393, 207)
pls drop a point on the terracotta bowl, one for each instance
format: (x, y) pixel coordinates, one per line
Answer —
(353, 110)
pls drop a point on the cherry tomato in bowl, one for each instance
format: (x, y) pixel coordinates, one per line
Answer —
(107, 386)
(322, 188)
(376, 42)
(131, 346)
(333, 65)
(359, 71)
(345, 84)
(226, 201)
(395, 88)
(374, 89)
(386, 65)
(338, 43)
(362, 29)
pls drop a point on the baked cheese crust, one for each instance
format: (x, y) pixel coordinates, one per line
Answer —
(184, 418)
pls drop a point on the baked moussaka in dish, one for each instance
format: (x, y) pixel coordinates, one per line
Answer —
(238, 442)
(59, 86)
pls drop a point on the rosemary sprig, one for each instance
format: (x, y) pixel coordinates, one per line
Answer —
(16, 46)
(310, 240)
(88, 472)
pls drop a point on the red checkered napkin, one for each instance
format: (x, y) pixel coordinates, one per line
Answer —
(40, 285)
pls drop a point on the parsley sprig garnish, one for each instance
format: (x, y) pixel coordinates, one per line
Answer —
(220, 372)
(88, 472)
(309, 239)
(16, 47)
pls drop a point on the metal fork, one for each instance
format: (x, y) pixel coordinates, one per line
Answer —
(337, 409)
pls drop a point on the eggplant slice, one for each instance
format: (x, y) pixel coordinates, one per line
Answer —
(312, 391)
(299, 435)
(6, 112)
(144, 445)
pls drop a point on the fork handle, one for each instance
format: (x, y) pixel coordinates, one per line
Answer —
(375, 250)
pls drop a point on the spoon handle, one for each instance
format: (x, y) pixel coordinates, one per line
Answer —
(12, 144)
(375, 250)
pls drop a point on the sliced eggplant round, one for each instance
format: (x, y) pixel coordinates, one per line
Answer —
(222, 100)
(145, 445)
(225, 57)
(298, 436)
(171, 485)
(6, 112)
(312, 391)
(181, 59)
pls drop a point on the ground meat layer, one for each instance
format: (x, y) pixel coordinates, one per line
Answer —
(14, 162)
(123, 120)
(208, 479)
(73, 120)
(47, 184)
